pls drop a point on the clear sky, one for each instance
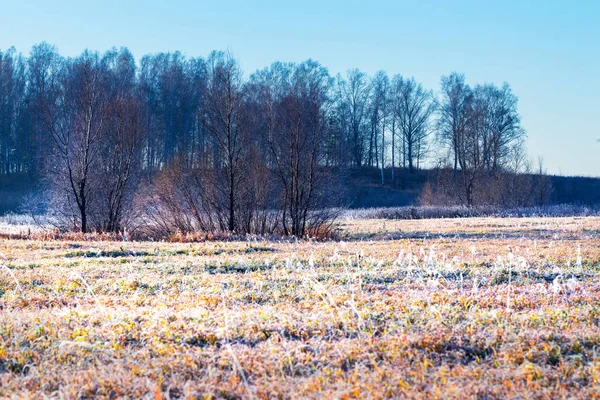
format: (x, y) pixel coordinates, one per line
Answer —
(549, 51)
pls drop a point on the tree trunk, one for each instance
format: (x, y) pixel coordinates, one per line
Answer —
(393, 150)
(382, 151)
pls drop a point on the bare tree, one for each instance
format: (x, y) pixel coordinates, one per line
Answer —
(43, 64)
(121, 140)
(13, 130)
(355, 96)
(542, 186)
(413, 107)
(503, 126)
(223, 122)
(75, 119)
(172, 88)
(295, 143)
(482, 126)
(379, 102)
(517, 182)
(453, 107)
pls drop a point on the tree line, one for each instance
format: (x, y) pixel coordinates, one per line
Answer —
(185, 144)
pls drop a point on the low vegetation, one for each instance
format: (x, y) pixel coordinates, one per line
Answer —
(455, 308)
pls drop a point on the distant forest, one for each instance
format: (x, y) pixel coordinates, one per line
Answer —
(189, 144)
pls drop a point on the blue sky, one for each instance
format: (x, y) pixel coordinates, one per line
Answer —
(549, 51)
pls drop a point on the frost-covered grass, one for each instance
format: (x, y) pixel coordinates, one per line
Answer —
(432, 212)
(504, 308)
(13, 224)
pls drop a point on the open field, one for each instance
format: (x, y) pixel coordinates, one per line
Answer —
(476, 308)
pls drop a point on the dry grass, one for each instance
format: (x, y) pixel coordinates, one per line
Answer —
(471, 308)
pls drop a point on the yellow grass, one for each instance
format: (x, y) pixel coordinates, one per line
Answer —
(469, 308)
